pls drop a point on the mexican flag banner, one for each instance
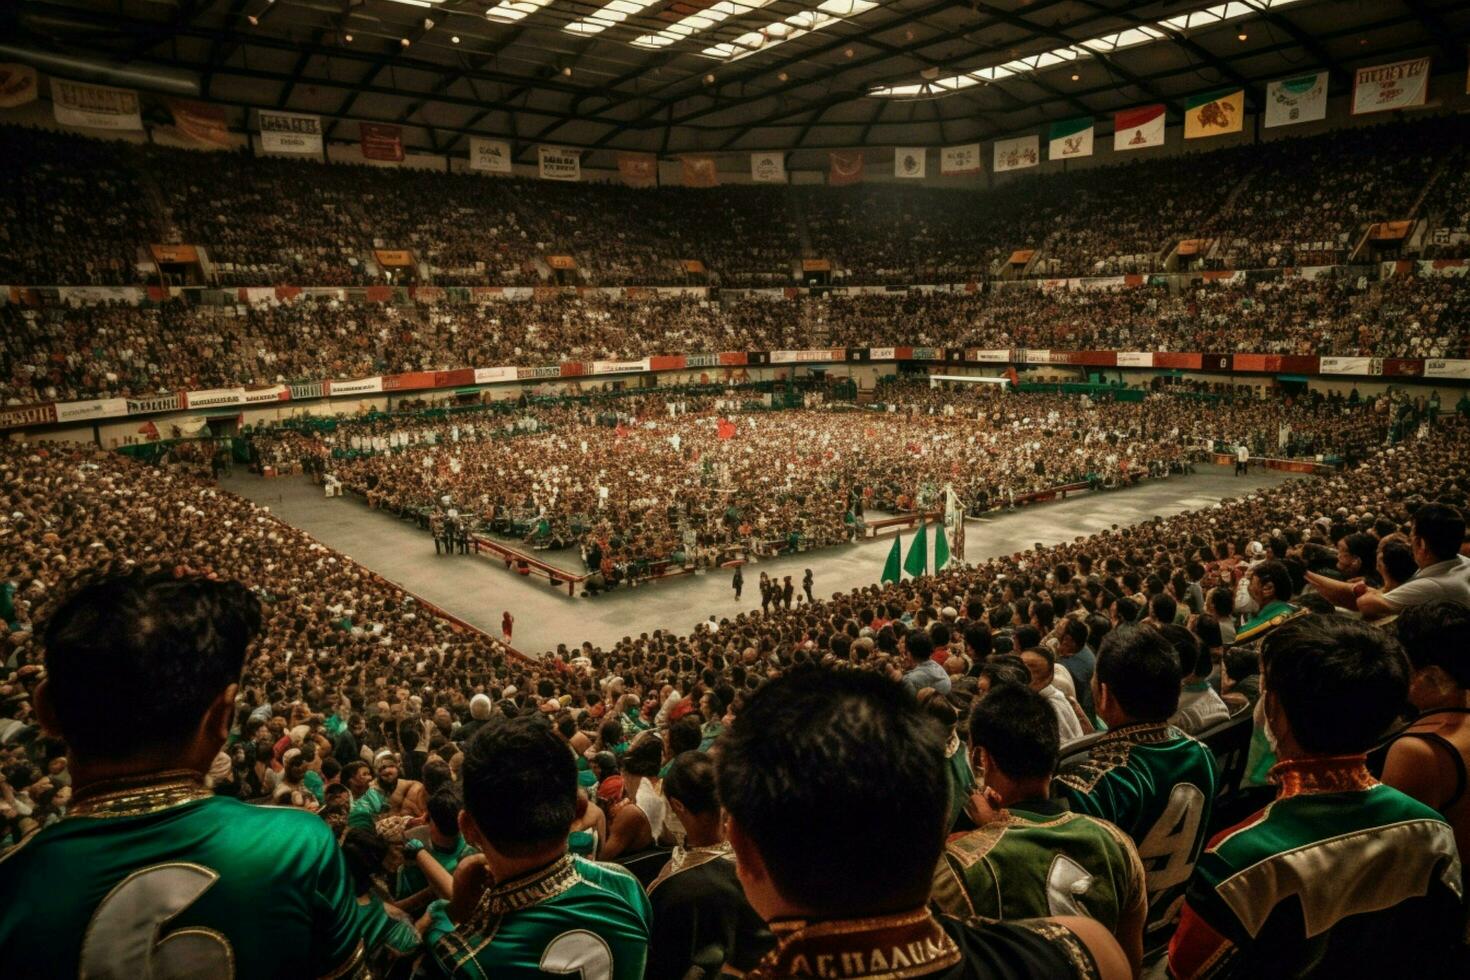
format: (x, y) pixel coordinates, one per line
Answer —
(1137, 129)
(1070, 138)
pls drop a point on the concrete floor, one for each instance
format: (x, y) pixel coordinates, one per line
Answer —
(478, 590)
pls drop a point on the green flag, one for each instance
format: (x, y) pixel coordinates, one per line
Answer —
(917, 563)
(891, 570)
(941, 548)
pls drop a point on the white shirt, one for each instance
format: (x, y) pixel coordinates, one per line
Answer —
(1448, 580)
(1199, 710)
(1067, 723)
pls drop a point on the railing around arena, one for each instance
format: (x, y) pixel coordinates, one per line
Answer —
(526, 564)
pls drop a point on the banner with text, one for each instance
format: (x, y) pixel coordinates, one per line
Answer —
(957, 160)
(82, 411)
(290, 132)
(94, 106)
(1296, 100)
(768, 168)
(381, 141)
(1018, 153)
(558, 163)
(490, 156)
(1399, 85)
(1440, 367)
(360, 386)
(1070, 138)
(908, 162)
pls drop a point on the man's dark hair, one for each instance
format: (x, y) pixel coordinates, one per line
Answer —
(1163, 607)
(1398, 560)
(1278, 575)
(1241, 662)
(135, 661)
(444, 807)
(645, 757)
(1443, 529)
(1363, 547)
(1340, 682)
(684, 735)
(1027, 638)
(1076, 631)
(1437, 634)
(1008, 668)
(818, 766)
(1192, 659)
(1141, 671)
(1019, 729)
(520, 784)
(691, 781)
(1127, 609)
(350, 771)
(364, 850)
(977, 639)
(919, 646)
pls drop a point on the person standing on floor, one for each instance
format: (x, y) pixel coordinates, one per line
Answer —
(806, 585)
(737, 583)
(507, 624)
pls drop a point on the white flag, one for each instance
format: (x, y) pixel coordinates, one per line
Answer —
(1296, 100)
(1018, 153)
(1400, 85)
(768, 168)
(908, 161)
(289, 132)
(491, 156)
(963, 159)
(559, 163)
(94, 106)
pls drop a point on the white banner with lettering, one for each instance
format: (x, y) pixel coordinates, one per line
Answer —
(361, 386)
(1133, 358)
(1017, 154)
(94, 106)
(1296, 100)
(492, 375)
(290, 132)
(1400, 85)
(1438, 367)
(559, 163)
(491, 156)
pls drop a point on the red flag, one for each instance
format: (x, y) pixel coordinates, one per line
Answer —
(1015, 378)
(149, 429)
(381, 142)
(621, 431)
(726, 429)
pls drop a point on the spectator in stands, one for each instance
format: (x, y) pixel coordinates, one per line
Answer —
(537, 902)
(138, 749)
(700, 915)
(1437, 534)
(1151, 780)
(1077, 658)
(921, 671)
(388, 934)
(1375, 879)
(1200, 708)
(1030, 857)
(1430, 759)
(1270, 591)
(804, 836)
(445, 848)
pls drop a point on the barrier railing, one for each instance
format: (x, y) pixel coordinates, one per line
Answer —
(527, 564)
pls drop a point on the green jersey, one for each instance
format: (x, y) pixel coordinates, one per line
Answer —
(1041, 860)
(171, 881)
(365, 808)
(410, 880)
(574, 915)
(1157, 785)
(387, 934)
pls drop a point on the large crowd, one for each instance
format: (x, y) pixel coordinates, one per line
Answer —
(51, 353)
(79, 211)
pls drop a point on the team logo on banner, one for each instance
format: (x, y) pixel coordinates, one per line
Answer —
(699, 171)
(1138, 129)
(559, 163)
(767, 168)
(1296, 100)
(1070, 138)
(845, 167)
(491, 156)
(200, 122)
(1400, 85)
(964, 159)
(1017, 154)
(381, 141)
(94, 106)
(1214, 114)
(908, 162)
(638, 169)
(289, 132)
(17, 85)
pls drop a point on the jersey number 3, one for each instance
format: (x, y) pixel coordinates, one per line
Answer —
(122, 939)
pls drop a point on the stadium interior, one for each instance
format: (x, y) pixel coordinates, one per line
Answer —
(698, 488)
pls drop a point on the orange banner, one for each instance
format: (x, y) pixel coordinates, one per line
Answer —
(200, 122)
(1391, 231)
(816, 265)
(1193, 246)
(1021, 256)
(561, 261)
(174, 253)
(393, 257)
(693, 265)
(700, 172)
(845, 167)
(638, 169)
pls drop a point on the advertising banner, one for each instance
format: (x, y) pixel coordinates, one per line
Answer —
(269, 393)
(381, 141)
(213, 397)
(1398, 85)
(82, 411)
(490, 156)
(768, 168)
(94, 106)
(201, 123)
(1440, 367)
(638, 169)
(558, 163)
(494, 375)
(21, 416)
(699, 171)
(808, 356)
(18, 85)
(619, 367)
(1350, 365)
(844, 167)
(1134, 358)
(289, 132)
(359, 386)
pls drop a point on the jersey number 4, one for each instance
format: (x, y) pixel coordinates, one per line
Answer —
(122, 939)
(1169, 849)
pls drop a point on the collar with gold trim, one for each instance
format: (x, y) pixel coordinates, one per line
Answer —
(1332, 774)
(529, 889)
(138, 796)
(909, 944)
(1143, 733)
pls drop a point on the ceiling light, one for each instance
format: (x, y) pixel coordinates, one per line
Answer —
(1242, 36)
(347, 38)
(1077, 78)
(404, 41)
(847, 52)
(709, 79)
(428, 24)
(567, 71)
(908, 35)
(454, 39)
(783, 77)
(253, 20)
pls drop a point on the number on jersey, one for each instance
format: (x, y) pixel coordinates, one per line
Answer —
(1169, 848)
(122, 939)
(579, 952)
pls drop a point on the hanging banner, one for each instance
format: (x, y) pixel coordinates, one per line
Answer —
(1214, 113)
(908, 162)
(1400, 85)
(1069, 138)
(381, 141)
(489, 156)
(360, 386)
(201, 123)
(1017, 154)
(81, 411)
(495, 375)
(17, 85)
(845, 167)
(174, 254)
(768, 168)
(1135, 358)
(558, 163)
(1139, 129)
(1296, 100)
(564, 262)
(699, 171)
(1444, 368)
(638, 169)
(964, 159)
(393, 258)
(94, 106)
(289, 132)
(994, 355)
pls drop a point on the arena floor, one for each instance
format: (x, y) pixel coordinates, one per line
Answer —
(478, 591)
